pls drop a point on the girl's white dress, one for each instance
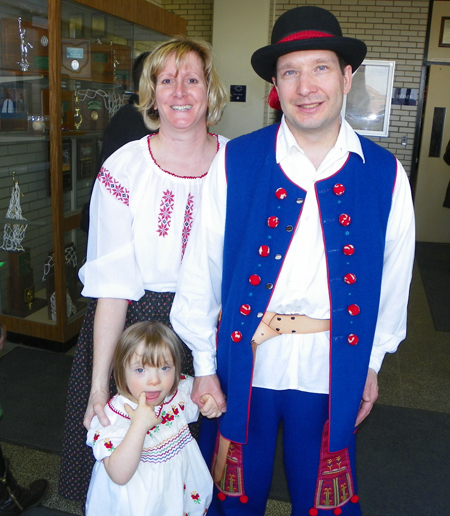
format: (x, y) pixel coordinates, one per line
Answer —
(172, 478)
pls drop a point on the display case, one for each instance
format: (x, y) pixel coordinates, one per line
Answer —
(65, 69)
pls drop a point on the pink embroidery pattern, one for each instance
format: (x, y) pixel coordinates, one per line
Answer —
(165, 213)
(187, 224)
(113, 186)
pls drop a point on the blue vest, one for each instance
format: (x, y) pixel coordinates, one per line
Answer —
(263, 210)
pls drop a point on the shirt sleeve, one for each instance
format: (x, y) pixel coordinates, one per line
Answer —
(397, 272)
(191, 411)
(197, 302)
(111, 268)
(104, 440)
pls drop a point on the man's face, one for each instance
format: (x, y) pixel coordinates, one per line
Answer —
(311, 88)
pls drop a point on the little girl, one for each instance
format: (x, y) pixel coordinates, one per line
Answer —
(148, 463)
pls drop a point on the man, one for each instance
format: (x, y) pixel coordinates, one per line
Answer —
(305, 245)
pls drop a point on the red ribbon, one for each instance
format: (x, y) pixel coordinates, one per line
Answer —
(305, 34)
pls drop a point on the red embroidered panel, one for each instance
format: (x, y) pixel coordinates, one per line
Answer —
(113, 186)
(334, 481)
(187, 224)
(165, 213)
(232, 482)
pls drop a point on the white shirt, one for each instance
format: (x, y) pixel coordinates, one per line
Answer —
(292, 361)
(140, 221)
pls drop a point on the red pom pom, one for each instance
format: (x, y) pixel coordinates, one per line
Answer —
(221, 496)
(273, 100)
(243, 499)
(354, 499)
(337, 511)
(313, 512)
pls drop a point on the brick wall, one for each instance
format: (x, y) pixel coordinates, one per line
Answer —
(198, 13)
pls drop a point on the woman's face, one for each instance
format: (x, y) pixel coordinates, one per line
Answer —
(181, 94)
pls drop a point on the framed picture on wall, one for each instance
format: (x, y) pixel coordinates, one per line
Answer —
(367, 108)
(444, 36)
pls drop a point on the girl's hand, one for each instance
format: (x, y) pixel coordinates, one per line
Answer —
(209, 407)
(144, 414)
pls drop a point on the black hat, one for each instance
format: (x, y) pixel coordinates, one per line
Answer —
(306, 28)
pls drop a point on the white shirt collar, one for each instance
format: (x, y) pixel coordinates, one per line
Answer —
(347, 141)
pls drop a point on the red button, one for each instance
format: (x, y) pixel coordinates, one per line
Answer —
(281, 193)
(353, 339)
(353, 309)
(264, 250)
(348, 249)
(254, 279)
(236, 336)
(245, 309)
(338, 189)
(273, 222)
(345, 219)
(350, 278)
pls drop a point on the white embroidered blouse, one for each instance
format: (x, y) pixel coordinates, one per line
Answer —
(140, 221)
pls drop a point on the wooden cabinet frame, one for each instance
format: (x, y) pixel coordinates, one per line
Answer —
(144, 14)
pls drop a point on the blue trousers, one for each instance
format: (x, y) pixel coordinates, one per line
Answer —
(303, 416)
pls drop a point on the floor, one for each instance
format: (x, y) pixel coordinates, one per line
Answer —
(417, 376)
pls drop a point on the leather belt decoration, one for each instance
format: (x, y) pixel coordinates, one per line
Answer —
(273, 324)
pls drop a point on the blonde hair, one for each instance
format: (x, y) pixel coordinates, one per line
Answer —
(180, 46)
(159, 341)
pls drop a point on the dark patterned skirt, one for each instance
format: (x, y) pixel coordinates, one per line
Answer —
(77, 459)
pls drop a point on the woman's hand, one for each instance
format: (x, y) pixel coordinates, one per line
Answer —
(96, 407)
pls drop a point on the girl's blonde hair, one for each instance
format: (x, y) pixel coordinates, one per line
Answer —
(180, 46)
(159, 342)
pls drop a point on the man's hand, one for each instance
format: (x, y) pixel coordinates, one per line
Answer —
(96, 407)
(370, 396)
(208, 385)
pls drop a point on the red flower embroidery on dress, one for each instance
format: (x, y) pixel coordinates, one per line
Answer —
(165, 213)
(196, 497)
(113, 186)
(187, 224)
(96, 436)
(167, 417)
(109, 445)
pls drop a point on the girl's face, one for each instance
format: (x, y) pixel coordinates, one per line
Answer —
(156, 382)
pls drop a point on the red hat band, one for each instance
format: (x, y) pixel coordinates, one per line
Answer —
(305, 34)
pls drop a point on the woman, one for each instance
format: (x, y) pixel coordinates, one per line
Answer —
(143, 204)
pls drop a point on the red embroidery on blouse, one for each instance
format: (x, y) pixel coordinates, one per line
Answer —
(187, 224)
(165, 213)
(113, 186)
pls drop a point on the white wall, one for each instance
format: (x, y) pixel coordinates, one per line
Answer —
(240, 28)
